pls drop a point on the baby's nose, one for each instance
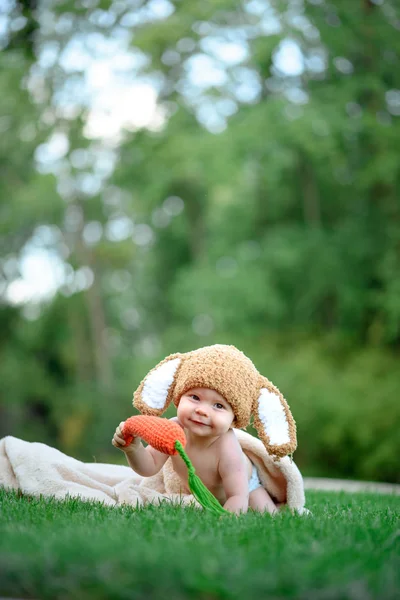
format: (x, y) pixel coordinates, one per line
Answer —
(202, 410)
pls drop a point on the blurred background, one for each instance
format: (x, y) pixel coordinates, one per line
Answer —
(176, 174)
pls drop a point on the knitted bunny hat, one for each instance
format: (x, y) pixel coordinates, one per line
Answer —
(229, 372)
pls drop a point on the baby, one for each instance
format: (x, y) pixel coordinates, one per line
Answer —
(214, 388)
(213, 449)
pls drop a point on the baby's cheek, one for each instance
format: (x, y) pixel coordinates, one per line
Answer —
(182, 410)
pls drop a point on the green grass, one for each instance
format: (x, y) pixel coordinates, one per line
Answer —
(349, 548)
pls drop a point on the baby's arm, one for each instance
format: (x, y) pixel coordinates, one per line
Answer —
(233, 471)
(144, 461)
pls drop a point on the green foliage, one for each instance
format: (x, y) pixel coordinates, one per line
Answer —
(345, 404)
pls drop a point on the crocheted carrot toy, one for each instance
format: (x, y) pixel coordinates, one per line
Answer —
(168, 437)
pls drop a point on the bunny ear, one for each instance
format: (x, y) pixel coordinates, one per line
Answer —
(155, 392)
(273, 421)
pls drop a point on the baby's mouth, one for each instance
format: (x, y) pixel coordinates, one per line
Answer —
(199, 423)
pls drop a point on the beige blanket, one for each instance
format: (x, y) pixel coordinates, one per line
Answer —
(37, 469)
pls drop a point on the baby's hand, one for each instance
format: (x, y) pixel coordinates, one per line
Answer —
(118, 440)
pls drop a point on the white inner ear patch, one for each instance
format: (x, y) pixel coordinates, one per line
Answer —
(272, 416)
(157, 383)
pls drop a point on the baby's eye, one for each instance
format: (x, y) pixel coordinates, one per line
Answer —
(194, 397)
(219, 405)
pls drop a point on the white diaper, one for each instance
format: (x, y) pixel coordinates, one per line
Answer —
(254, 482)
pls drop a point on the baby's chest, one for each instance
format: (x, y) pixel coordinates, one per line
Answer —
(206, 468)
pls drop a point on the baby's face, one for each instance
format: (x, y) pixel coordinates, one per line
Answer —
(205, 412)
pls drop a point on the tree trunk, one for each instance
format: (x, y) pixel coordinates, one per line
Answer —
(96, 313)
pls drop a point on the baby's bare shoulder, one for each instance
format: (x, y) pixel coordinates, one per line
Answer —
(229, 446)
(231, 455)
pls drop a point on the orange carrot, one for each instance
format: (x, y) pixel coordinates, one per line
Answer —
(159, 432)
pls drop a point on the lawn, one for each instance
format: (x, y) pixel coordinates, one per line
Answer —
(349, 548)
